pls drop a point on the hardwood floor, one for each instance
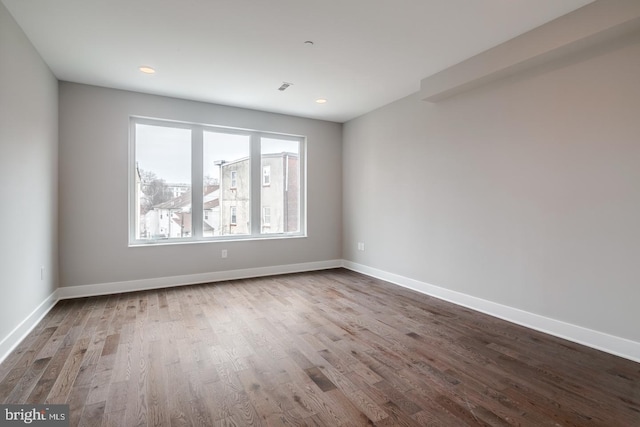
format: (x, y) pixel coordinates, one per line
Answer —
(325, 348)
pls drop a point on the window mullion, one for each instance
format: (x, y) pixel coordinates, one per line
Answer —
(197, 180)
(255, 180)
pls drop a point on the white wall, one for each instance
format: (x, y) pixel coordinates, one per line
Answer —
(524, 192)
(93, 190)
(28, 178)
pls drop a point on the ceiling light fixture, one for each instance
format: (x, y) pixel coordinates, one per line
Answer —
(321, 101)
(147, 70)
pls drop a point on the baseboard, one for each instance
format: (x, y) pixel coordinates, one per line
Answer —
(609, 343)
(601, 341)
(15, 337)
(190, 279)
(20, 332)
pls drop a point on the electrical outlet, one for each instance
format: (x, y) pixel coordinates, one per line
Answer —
(361, 246)
(224, 253)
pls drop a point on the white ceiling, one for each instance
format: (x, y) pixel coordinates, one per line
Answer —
(366, 53)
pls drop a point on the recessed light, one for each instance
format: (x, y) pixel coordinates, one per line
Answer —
(147, 70)
(321, 101)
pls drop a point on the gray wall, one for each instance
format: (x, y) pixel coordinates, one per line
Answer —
(93, 190)
(28, 176)
(525, 192)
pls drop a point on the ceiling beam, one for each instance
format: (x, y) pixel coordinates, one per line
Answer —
(595, 23)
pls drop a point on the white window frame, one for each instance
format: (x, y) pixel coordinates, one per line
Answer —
(197, 182)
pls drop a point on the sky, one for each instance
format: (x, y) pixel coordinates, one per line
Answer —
(166, 151)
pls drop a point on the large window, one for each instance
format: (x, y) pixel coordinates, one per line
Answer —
(198, 182)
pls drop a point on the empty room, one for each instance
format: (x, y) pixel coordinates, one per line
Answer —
(320, 213)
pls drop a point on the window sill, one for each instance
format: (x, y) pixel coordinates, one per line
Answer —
(225, 239)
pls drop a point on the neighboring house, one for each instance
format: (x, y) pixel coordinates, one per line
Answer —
(227, 207)
(211, 208)
(280, 200)
(280, 195)
(178, 190)
(173, 219)
(235, 197)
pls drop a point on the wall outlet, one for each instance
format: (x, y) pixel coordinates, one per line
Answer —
(360, 246)
(224, 253)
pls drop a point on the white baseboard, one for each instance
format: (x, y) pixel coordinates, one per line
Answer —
(601, 341)
(611, 344)
(190, 279)
(20, 332)
(11, 341)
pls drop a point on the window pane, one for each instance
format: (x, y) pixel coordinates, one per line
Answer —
(163, 182)
(227, 189)
(280, 186)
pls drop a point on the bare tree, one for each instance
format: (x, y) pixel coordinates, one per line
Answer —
(209, 180)
(155, 191)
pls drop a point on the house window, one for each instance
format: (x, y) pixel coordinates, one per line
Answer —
(266, 216)
(233, 215)
(183, 174)
(234, 179)
(266, 175)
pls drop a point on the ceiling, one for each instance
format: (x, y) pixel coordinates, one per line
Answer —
(365, 53)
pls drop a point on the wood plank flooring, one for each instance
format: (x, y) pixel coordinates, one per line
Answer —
(325, 348)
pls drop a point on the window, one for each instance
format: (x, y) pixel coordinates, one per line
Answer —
(266, 175)
(195, 182)
(234, 179)
(234, 215)
(266, 216)
(163, 158)
(226, 182)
